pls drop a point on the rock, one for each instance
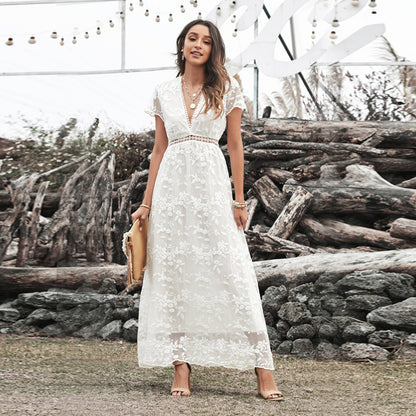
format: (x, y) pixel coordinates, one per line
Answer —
(111, 331)
(325, 283)
(300, 331)
(274, 345)
(341, 321)
(8, 313)
(285, 347)
(20, 328)
(387, 338)
(273, 299)
(401, 315)
(89, 331)
(366, 302)
(333, 303)
(108, 286)
(301, 293)
(302, 347)
(315, 306)
(282, 327)
(294, 313)
(397, 286)
(52, 330)
(328, 330)
(357, 331)
(408, 350)
(272, 333)
(41, 317)
(352, 351)
(130, 330)
(269, 318)
(121, 313)
(67, 299)
(326, 351)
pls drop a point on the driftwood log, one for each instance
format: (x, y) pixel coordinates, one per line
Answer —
(404, 228)
(32, 279)
(296, 271)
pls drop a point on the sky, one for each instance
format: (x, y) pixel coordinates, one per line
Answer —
(120, 99)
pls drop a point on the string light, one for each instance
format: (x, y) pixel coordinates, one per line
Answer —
(131, 8)
(32, 40)
(111, 23)
(86, 35)
(333, 35)
(9, 42)
(54, 35)
(121, 15)
(196, 3)
(157, 18)
(62, 42)
(170, 17)
(74, 40)
(146, 13)
(335, 23)
(182, 9)
(232, 4)
(218, 10)
(98, 31)
(235, 32)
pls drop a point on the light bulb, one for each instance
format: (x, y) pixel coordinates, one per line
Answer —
(235, 33)
(111, 23)
(372, 3)
(32, 40)
(196, 3)
(335, 23)
(9, 42)
(98, 31)
(121, 15)
(62, 42)
(74, 40)
(232, 4)
(218, 10)
(313, 36)
(170, 17)
(157, 18)
(233, 18)
(54, 35)
(333, 35)
(131, 8)
(314, 24)
(86, 35)
(140, 3)
(355, 3)
(182, 8)
(146, 13)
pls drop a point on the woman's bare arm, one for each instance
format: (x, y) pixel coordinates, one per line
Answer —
(161, 143)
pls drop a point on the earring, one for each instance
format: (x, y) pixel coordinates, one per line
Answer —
(183, 57)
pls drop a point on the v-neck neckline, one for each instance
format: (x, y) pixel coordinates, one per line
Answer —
(184, 105)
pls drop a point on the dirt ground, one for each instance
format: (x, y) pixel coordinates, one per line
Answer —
(72, 376)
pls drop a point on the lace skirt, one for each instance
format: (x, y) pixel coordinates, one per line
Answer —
(200, 300)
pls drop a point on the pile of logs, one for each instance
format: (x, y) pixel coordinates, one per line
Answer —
(330, 186)
(311, 187)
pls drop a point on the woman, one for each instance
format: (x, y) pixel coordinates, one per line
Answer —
(200, 301)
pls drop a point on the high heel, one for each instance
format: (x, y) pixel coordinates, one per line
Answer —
(267, 394)
(184, 391)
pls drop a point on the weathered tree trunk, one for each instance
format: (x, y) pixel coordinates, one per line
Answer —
(291, 214)
(299, 270)
(269, 195)
(361, 191)
(277, 245)
(331, 232)
(32, 279)
(403, 228)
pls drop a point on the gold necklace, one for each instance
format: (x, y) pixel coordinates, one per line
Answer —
(193, 96)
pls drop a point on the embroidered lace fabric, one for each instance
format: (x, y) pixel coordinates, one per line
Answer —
(200, 300)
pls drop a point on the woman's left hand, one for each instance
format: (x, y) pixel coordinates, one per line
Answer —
(241, 217)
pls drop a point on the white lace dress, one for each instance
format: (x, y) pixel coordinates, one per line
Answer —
(200, 300)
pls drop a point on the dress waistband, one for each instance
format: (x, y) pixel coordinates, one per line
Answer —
(197, 138)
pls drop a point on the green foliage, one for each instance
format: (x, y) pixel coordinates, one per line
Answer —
(50, 149)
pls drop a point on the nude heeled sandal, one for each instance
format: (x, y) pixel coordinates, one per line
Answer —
(267, 394)
(184, 390)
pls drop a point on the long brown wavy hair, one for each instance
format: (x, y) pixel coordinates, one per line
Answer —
(216, 76)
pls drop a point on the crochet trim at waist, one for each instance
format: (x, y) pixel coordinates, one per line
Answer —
(192, 137)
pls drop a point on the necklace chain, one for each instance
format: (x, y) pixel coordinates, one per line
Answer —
(193, 96)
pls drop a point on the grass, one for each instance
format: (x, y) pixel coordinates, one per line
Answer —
(72, 376)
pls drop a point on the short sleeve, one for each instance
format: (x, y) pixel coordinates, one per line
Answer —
(234, 97)
(154, 107)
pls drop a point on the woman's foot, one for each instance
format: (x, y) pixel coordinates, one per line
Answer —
(266, 384)
(181, 385)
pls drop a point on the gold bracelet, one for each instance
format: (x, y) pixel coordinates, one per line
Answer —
(239, 204)
(146, 206)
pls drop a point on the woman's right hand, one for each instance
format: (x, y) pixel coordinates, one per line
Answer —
(141, 213)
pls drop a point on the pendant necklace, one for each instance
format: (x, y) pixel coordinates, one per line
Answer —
(192, 96)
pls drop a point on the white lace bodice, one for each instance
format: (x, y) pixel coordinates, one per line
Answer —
(168, 103)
